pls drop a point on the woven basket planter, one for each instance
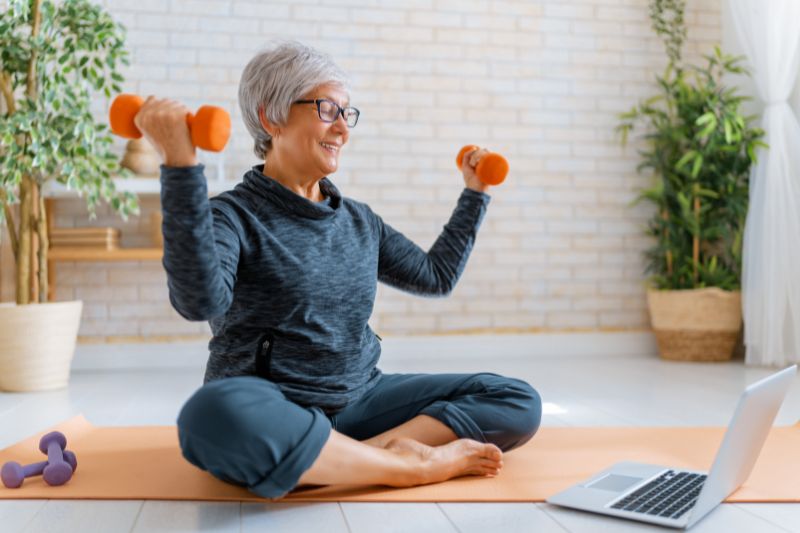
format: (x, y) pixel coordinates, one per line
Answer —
(696, 325)
(37, 344)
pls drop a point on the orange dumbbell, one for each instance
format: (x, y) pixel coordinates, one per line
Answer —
(210, 126)
(492, 168)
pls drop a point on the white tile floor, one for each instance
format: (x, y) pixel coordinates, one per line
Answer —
(613, 390)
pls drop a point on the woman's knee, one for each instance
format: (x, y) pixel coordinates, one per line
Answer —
(531, 402)
(216, 421)
(216, 408)
(243, 430)
(521, 407)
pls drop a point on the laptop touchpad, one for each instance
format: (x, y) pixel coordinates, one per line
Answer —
(614, 482)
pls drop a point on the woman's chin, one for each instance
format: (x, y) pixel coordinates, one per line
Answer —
(330, 167)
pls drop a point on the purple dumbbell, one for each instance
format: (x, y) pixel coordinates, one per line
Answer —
(13, 473)
(58, 471)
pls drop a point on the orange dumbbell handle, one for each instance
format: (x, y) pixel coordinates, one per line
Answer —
(492, 169)
(211, 134)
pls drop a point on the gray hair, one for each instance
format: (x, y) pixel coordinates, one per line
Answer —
(276, 77)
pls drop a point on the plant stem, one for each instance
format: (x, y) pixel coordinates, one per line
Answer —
(665, 216)
(12, 230)
(34, 298)
(11, 108)
(44, 246)
(24, 250)
(35, 23)
(696, 239)
(8, 93)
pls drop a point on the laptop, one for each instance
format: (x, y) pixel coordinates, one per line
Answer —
(679, 498)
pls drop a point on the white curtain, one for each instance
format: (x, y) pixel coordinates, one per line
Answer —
(769, 32)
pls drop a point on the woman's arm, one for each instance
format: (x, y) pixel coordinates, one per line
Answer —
(201, 245)
(406, 266)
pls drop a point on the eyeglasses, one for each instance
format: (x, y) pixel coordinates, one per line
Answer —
(329, 111)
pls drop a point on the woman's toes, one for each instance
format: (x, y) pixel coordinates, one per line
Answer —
(492, 464)
(492, 452)
(482, 470)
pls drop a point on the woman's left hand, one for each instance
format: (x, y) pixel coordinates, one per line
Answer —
(468, 165)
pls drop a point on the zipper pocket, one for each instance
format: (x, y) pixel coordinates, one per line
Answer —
(264, 354)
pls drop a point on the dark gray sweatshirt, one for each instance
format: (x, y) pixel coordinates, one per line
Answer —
(288, 285)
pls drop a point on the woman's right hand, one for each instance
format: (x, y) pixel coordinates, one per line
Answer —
(163, 124)
(469, 165)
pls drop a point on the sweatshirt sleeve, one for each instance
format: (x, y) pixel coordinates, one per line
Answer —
(404, 265)
(201, 245)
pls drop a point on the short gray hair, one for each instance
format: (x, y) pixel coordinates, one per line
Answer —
(276, 77)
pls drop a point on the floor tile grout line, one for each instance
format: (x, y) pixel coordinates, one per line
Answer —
(344, 517)
(553, 518)
(765, 519)
(138, 514)
(540, 506)
(447, 516)
(33, 517)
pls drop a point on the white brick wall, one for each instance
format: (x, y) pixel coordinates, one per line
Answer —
(538, 81)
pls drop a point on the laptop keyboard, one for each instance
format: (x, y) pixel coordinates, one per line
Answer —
(670, 495)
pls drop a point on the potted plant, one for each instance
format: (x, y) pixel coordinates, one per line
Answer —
(54, 57)
(699, 149)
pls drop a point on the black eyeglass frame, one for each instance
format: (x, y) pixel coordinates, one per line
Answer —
(339, 110)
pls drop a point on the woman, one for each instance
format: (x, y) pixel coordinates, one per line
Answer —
(286, 270)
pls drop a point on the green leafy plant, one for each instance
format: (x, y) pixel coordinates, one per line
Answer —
(699, 147)
(54, 57)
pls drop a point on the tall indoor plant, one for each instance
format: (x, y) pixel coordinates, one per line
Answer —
(54, 57)
(699, 147)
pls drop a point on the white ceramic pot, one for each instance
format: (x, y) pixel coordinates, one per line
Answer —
(37, 344)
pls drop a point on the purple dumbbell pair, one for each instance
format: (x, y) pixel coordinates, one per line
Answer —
(57, 470)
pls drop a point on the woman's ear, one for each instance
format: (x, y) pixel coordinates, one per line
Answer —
(268, 126)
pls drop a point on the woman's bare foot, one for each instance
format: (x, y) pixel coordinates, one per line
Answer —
(431, 464)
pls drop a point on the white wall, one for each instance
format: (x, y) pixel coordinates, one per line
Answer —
(539, 81)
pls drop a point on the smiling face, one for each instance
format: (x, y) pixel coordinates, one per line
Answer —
(311, 145)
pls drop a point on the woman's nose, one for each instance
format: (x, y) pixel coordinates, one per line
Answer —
(340, 126)
(341, 122)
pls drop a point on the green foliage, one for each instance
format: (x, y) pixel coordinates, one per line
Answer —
(699, 149)
(52, 134)
(667, 19)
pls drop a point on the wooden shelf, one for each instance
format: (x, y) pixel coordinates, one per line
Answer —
(69, 253)
(58, 254)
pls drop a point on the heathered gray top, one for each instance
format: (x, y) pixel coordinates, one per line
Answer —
(288, 284)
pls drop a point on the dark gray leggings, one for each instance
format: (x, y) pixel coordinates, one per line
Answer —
(244, 431)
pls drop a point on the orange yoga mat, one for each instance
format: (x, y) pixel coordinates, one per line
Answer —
(144, 462)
